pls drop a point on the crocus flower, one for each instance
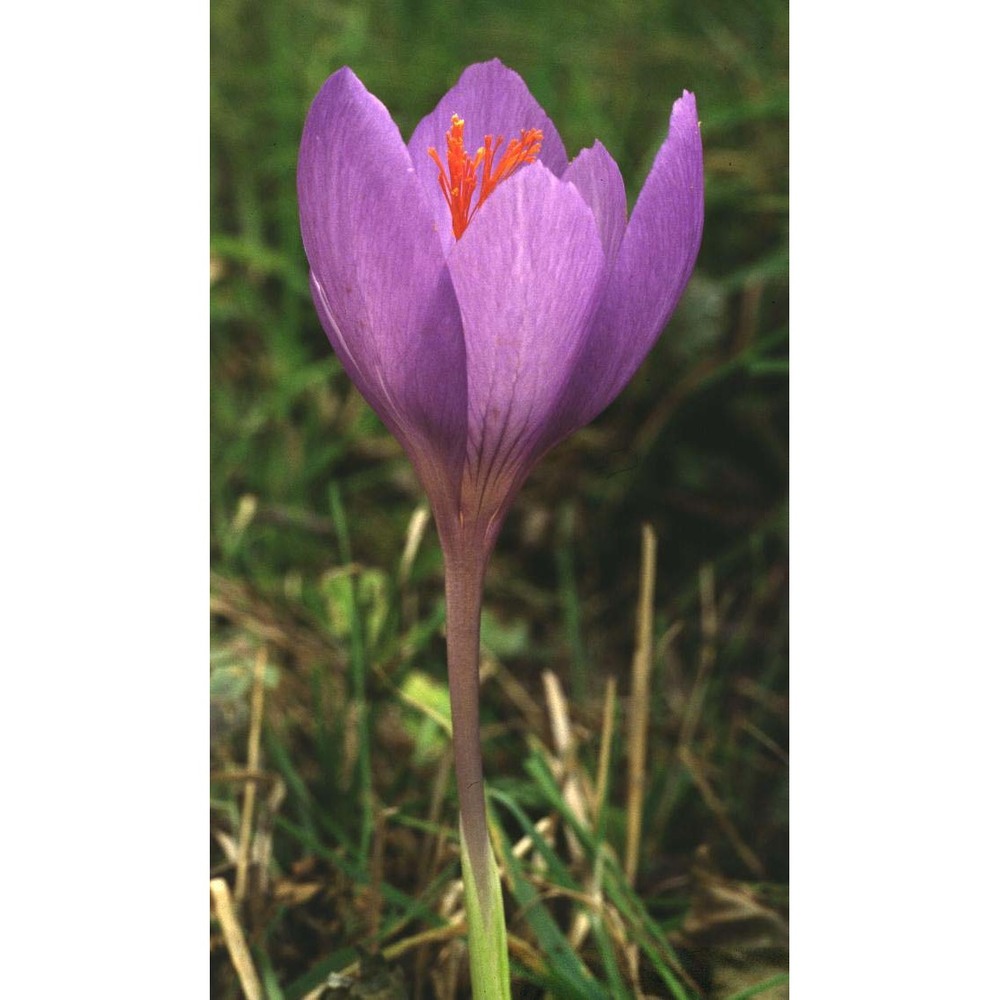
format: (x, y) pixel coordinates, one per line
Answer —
(487, 302)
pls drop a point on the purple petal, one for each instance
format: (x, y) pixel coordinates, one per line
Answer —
(528, 273)
(379, 278)
(598, 179)
(654, 263)
(493, 100)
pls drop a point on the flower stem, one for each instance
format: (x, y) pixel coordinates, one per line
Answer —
(465, 568)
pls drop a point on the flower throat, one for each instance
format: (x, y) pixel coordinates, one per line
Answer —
(459, 183)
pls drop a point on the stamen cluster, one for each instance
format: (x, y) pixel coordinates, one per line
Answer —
(459, 182)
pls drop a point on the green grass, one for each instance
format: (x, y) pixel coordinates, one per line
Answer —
(312, 500)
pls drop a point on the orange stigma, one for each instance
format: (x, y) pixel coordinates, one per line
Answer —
(459, 183)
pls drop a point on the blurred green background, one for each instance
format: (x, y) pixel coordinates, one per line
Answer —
(311, 502)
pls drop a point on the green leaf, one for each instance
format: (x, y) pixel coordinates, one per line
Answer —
(759, 988)
(503, 638)
(567, 976)
(487, 933)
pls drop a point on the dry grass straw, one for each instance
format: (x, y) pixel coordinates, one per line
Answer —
(582, 923)
(519, 948)
(567, 770)
(414, 536)
(706, 656)
(604, 755)
(250, 789)
(692, 717)
(236, 943)
(638, 728)
(718, 809)
(415, 531)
